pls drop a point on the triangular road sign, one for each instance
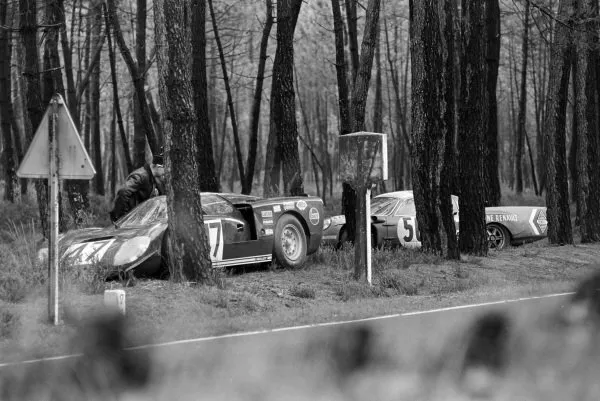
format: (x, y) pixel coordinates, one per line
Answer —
(74, 162)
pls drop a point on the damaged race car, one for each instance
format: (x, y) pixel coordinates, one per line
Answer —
(242, 230)
(394, 222)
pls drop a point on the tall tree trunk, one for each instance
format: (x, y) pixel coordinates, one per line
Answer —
(352, 20)
(232, 111)
(139, 136)
(522, 103)
(557, 189)
(448, 173)
(255, 111)
(95, 131)
(491, 173)
(472, 130)
(188, 247)
(138, 75)
(428, 139)
(588, 188)
(6, 105)
(283, 135)
(378, 103)
(341, 69)
(115, 86)
(358, 102)
(205, 159)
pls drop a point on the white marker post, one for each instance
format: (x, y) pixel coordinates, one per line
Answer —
(53, 207)
(56, 152)
(363, 162)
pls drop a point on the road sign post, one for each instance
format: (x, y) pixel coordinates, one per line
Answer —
(363, 163)
(53, 206)
(56, 152)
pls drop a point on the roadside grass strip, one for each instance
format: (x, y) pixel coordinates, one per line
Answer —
(295, 328)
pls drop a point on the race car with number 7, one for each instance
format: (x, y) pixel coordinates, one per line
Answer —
(394, 222)
(241, 230)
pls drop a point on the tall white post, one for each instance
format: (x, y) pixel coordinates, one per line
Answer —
(53, 205)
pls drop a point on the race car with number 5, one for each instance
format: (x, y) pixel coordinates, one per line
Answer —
(241, 229)
(394, 222)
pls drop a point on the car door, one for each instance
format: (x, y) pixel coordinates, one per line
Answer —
(230, 234)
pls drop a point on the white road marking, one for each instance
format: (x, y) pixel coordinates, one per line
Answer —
(294, 328)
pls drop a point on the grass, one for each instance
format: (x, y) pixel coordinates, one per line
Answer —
(322, 291)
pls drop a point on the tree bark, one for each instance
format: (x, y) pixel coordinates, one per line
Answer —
(428, 109)
(138, 77)
(341, 69)
(283, 135)
(352, 20)
(255, 111)
(358, 102)
(232, 112)
(187, 243)
(588, 196)
(472, 130)
(491, 173)
(6, 116)
(139, 136)
(522, 103)
(557, 190)
(115, 86)
(94, 98)
(206, 161)
(448, 173)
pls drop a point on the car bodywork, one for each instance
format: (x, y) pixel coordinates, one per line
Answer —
(393, 217)
(240, 230)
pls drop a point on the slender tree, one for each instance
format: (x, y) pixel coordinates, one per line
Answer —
(521, 129)
(255, 111)
(6, 105)
(472, 129)
(187, 243)
(588, 188)
(206, 161)
(491, 172)
(358, 100)
(557, 192)
(283, 133)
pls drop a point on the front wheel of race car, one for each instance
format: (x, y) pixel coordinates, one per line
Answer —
(290, 242)
(498, 236)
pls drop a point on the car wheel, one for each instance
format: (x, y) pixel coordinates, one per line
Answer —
(290, 242)
(498, 236)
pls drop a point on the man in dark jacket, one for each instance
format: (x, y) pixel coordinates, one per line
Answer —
(142, 184)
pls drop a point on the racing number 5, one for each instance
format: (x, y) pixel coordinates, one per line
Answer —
(410, 225)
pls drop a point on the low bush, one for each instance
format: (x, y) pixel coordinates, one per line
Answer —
(9, 323)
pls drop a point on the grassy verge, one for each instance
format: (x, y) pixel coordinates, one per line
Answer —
(404, 280)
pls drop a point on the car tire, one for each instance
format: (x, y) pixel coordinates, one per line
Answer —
(498, 236)
(290, 245)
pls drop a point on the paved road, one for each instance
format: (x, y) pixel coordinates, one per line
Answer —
(298, 361)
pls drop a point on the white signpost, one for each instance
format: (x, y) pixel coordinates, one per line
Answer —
(56, 152)
(363, 162)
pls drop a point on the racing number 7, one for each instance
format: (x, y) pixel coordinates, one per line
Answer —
(215, 225)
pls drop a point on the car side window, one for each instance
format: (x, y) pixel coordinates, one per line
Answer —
(215, 205)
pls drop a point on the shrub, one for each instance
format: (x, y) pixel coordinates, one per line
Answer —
(12, 288)
(9, 323)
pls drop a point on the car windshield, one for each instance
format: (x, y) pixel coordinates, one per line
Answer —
(215, 205)
(383, 206)
(407, 207)
(153, 210)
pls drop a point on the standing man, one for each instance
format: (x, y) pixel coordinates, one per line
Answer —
(142, 184)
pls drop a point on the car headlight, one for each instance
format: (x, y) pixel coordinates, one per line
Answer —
(326, 223)
(130, 250)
